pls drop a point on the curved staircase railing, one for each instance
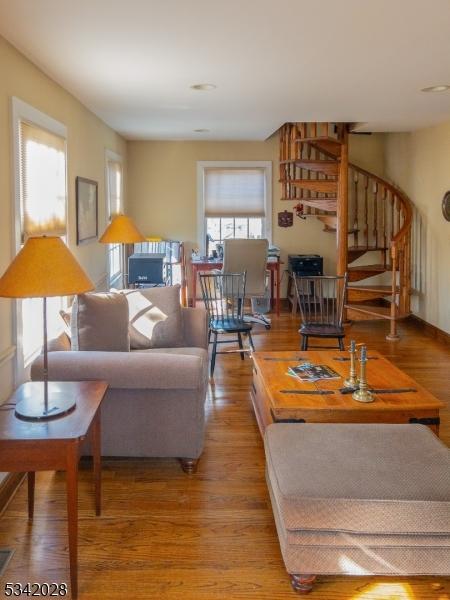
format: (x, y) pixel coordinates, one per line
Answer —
(313, 161)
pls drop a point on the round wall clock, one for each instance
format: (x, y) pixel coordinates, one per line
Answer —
(446, 206)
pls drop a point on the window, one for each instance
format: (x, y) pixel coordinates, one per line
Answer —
(234, 201)
(40, 208)
(114, 206)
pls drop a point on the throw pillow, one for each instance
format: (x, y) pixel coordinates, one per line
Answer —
(100, 322)
(155, 317)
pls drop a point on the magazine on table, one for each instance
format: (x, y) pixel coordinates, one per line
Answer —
(309, 372)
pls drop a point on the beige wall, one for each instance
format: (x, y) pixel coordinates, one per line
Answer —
(162, 189)
(419, 162)
(88, 137)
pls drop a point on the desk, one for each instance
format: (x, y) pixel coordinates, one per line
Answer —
(278, 397)
(32, 446)
(273, 265)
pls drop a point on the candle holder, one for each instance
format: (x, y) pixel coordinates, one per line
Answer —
(363, 394)
(352, 381)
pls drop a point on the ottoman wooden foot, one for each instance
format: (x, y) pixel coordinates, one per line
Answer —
(302, 584)
(189, 465)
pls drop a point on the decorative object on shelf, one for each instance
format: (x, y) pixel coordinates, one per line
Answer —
(363, 394)
(285, 219)
(44, 267)
(299, 211)
(87, 210)
(352, 380)
(446, 206)
(122, 230)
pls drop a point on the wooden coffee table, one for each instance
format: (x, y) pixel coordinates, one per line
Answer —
(55, 445)
(280, 398)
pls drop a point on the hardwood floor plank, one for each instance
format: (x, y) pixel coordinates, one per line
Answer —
(209, 536)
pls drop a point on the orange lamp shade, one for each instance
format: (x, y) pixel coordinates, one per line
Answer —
(44, 267)
(122, 230)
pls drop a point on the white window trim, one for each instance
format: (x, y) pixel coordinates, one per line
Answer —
(212, 164)
(21, 111)
(111, 155)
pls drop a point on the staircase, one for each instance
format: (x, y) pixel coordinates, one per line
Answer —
(369, 216)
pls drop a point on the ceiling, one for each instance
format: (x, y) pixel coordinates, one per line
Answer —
(132, 62)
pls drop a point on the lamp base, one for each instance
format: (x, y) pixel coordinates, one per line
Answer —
(36, 409)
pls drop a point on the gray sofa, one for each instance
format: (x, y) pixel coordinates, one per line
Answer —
(154, 406)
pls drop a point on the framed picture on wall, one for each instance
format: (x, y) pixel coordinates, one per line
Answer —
(87, 210)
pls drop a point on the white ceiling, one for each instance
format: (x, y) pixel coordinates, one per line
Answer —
(132, 62)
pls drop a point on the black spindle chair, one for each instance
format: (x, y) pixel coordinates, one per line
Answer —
(223, 295)
(321, 302)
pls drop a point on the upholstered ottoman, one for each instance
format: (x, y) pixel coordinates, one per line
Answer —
(359, 499)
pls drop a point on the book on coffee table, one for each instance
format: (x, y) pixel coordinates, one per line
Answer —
(310, 372)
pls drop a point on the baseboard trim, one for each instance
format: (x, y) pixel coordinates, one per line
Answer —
(8, 487)
(431, 330)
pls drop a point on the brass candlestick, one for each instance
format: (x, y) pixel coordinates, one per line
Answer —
(352, 381)
(363, 394)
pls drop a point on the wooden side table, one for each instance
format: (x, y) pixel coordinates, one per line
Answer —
(32, 446)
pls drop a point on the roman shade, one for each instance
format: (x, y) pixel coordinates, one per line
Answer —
(234, 192)
(114, 170)
(42, 182)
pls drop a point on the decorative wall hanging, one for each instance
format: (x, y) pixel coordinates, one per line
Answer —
(285, 219)
(299, 208)
(87, 210)
(446, 206)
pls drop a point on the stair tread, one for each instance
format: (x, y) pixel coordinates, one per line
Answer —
(328, 167)
(382, 312)
(329, 229)
(374, 268)
(320, 138)
(372, 288)
(328, 204)
(367, 249)
(308, 161)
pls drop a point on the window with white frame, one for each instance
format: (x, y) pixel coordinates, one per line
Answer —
(234, 201)
(40, 208)
(114, 206)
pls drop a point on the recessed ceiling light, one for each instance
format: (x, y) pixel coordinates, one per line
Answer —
(436, 88)
(203, 87)
(201, 130)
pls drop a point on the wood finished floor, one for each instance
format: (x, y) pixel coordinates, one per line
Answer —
(210, 536)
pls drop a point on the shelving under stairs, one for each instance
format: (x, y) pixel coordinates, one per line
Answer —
(370, 217)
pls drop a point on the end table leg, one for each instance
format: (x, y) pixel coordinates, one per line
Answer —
(97, 459)
(72, 515)
(31, 482)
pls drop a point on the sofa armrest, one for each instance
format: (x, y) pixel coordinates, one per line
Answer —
(123, 370)
(195, 327)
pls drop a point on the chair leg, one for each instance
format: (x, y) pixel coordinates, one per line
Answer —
(341, 344)
(304, 345)
(213, 355)
(250, 341)
(209, 336)
(241, 346)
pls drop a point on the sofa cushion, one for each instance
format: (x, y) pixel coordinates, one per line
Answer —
(384, 479)
(155, 317)
(100, 322)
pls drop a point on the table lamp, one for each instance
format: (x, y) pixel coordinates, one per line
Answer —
(44, 267)
(122, 230)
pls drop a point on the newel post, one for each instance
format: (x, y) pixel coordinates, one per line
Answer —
(342, 210)
(393, 335)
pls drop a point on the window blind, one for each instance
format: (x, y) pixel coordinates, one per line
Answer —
(42, 181)
(114, 169)
(234, 192)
